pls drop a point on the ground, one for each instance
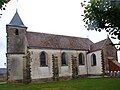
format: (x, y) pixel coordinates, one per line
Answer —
(75, 84)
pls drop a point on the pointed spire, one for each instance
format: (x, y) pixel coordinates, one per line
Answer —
(16, 5)
(16, 20)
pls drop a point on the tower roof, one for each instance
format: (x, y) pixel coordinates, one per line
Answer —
(16, 21)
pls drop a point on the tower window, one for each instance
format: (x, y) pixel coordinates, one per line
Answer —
(16, 32)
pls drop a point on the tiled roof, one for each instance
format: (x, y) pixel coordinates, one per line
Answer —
(16, 20)
(57, 41)
(98, 46)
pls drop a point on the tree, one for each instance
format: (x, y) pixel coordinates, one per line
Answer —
(102, 15)
(3, 4)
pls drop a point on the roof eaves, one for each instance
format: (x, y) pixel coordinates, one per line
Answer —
(21, 26)
(36, 47)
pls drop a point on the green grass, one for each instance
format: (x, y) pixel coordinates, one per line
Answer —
(76, 84)
(2, 80)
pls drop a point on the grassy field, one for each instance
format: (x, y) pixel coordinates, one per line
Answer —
(76, 84)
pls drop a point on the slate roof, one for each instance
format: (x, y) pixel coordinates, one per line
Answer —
(16, 21)
(98, 46)
(57, 41)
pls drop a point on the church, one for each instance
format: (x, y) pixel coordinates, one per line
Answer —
(41, 57)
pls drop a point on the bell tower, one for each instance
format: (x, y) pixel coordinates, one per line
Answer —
(16, 31)
(16, 48)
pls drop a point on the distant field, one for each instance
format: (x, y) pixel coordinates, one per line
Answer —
(76, 84)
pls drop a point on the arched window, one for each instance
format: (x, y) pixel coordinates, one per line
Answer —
(81, 59)
(93, 60)
(43, 59)
(63, 59)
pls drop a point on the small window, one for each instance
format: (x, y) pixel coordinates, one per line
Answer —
(63, 59)
(81, 59)
(16, 32)
(93, 60)
(43, 59)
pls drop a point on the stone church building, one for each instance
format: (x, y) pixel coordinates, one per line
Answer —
(37, 57)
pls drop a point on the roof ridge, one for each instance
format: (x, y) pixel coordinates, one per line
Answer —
(100, 41)
(98, 45)
(105, 40)
(57, 35)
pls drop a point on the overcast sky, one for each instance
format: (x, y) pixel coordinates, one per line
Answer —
(48, 16)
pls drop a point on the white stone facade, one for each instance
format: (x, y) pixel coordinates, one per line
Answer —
(97, 69)
(15, 66)
(38, 72)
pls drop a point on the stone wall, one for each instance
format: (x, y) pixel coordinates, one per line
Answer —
(15, 43)
(15, 67)
(108, 51)
(38, 72)
(97, 69)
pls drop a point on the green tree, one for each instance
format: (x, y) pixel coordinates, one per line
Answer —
(102, 15)
(3, 4)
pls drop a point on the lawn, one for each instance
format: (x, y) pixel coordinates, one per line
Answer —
(76, 84)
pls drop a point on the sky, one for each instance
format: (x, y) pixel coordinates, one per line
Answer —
(61, 17)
